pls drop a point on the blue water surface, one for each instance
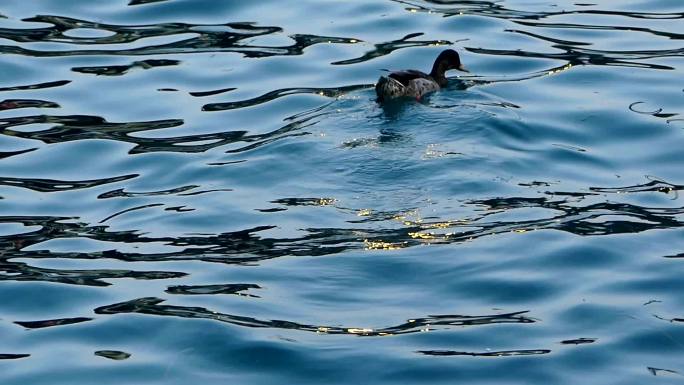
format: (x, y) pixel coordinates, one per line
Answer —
(202, 191)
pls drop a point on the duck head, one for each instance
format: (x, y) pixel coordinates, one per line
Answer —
(447, 60)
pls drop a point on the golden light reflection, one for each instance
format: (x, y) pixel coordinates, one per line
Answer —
(381, 245)
(433, 225)
(364, 212)
(557, 70)
(441, 225)
(421, 235)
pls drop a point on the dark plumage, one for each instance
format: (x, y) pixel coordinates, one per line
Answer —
(414, 83)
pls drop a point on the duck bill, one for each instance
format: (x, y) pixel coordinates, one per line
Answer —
(462, 68)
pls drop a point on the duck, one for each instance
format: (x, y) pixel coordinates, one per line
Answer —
(414, 83)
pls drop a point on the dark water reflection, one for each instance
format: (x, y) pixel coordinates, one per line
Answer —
(152, 306)
(207, 191)
(227, 37)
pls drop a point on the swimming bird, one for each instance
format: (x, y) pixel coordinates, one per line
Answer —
(414, 83)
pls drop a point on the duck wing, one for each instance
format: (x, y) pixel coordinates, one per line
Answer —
(405, 77)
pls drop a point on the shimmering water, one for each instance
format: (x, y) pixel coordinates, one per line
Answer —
(205, 191)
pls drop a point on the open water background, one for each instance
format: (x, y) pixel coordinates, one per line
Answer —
(206, 192)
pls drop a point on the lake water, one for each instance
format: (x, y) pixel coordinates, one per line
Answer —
(206, 192)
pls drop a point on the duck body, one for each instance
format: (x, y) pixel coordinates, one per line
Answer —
(410, 83)
(415, 84)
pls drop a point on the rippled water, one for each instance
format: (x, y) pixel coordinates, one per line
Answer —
(206, 191)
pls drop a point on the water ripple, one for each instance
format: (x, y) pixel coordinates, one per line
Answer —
(153, 306)
(51, 185)
(208, 191)
(228, 37)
